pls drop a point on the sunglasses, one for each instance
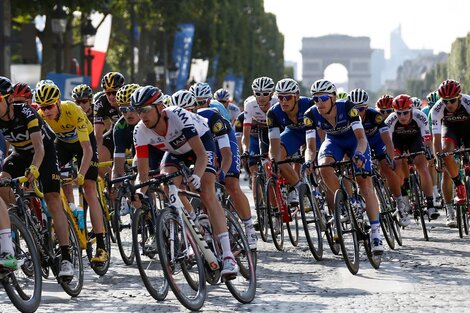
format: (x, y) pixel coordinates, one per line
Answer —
(285, 98)
(322, 98)
(451, 100)
(80, 101)
(144, 109)
(386, 111)
(361, 108)
(400, 113)
(47, 107)
(109, 93)
(202, 102)
(126, 109)
(262, 94)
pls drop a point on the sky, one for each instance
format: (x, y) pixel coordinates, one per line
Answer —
(428, 24)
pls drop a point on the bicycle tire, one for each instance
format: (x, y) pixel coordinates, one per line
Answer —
(243, 287)
(192, 299)
(310, 220)
(293, 225)
(350, 251)
(385, 209)
(123, 229)
(417, 198)
(261, 208)
(466, 212)
(374, 259)
(72, 287)
(14, 282)
(460, 218)
(274, 216)
(102, 268)
(147, 260)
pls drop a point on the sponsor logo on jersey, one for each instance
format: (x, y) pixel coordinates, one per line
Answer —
(218, 126)
(353, 112)
(308, 121)
(379, 118)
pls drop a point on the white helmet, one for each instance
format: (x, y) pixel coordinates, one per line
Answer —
(358, 96)
(183, 99)
(287, 85)
(417, 104)
(222, 95)
(322, 85)
(262, 84)
(201, 90)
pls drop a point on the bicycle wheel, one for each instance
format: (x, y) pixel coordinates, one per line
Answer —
(346, 231)
(293, 225)
(309, 213)
(385, 208)
(460, 208)
(243, 287)
(146, 255)
(374, 259)
(122, 221)
(466, 210)
(274, 216)
(180, 260)
(261, 209)
(24, 285)
(73, 286)
(417, 199)
(100, 268)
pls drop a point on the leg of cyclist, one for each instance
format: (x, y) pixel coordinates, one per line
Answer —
(7, 253)
(447, 192)
(426, 184)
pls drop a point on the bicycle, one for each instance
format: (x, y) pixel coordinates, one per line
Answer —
(23, 285)
(417, 199)
(462, 209)
(279, 211)
(186, 256)
(40, 225)
(350, 218)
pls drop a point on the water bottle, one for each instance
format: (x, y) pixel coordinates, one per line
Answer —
(205, 225)
(79, 214)
(124, 209)
(284, 191)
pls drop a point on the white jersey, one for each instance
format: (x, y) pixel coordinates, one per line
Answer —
(440, 116)
(253, 111)
(181, 126)
(418, 124)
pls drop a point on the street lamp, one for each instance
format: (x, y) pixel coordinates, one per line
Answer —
(173, 74)
(89, 36)
(59, 25)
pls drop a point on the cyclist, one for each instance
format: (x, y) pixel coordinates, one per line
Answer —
(238, 128)
(34, 156)
(21, 93)
(381, 147)
(75, 138)
(341, 95)
(203, 94)
(106, 109)
(185, 137)
(345, 135)
(288, 116)
(416, 103)
(255, 138)
(384, 105)
(83, 96)
(410, 132)
(450, 123)
(223, 96)
(227, 155)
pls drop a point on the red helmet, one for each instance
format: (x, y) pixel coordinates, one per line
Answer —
(402, 102)
(21, 90)
(449, 89)
(385, 102)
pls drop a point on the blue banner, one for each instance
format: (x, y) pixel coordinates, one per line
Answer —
(182, 47)
(214, 66)
(237, 93)
(66, 83)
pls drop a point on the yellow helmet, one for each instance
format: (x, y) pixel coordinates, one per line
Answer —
(47, 94)
(112, 81)
(123, 95)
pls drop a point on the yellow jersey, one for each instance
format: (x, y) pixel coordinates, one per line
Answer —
(72, 125)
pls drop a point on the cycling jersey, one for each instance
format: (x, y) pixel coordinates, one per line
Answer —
(72, 124)
(238, 127)
(254, 115)
(233, 111)
(122, 134)
(220, 107)
(411, 136)
(103, 110)
(374, 125)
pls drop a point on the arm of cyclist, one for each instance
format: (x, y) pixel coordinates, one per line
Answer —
(36, 140)
(361, 147)
(201, 160)
(86, 160)
(226, 152)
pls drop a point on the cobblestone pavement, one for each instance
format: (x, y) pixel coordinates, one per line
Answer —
(420, 276)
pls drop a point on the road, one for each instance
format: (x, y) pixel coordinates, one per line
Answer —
(420, 276)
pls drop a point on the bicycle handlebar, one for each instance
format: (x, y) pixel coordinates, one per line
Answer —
(16, 182)
(408, 155)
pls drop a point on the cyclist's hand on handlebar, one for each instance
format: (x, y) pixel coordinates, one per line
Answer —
(359, 159)
(195, 181)
(32, 172)
(307, 167)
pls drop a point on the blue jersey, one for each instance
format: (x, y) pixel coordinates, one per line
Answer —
(373, 123)
(220, 108)
(276, 118)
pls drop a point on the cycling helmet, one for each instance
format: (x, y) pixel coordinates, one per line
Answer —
(432, 98)
(342, 95)
(358, 96)
(322, 85)
(146, 95)
(47, 94)
(261, 84)
(449, 89)
(417, 103)
(385, 102)
(201, 90)
(5, 85)
(82, 91)
(184, 99)
(402, 102)
(112, 81)
(166, 99)
(97, 96)
(287, 85)
(124, 93)
(22, 90)
(222, 95)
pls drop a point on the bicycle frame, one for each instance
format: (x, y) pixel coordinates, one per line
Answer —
(280, 198)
